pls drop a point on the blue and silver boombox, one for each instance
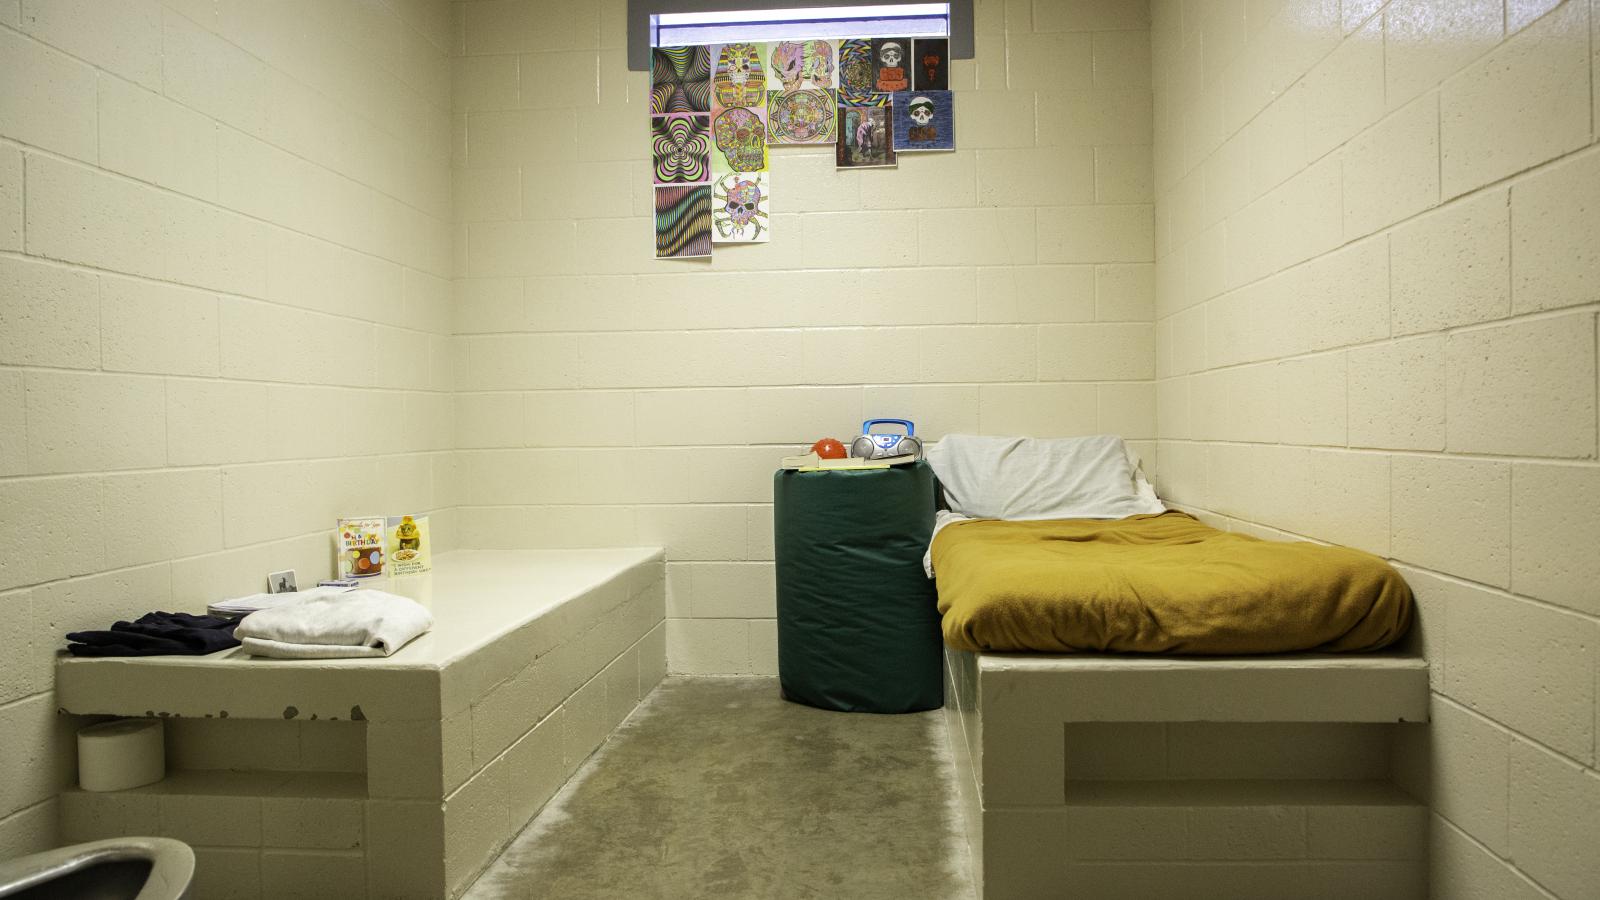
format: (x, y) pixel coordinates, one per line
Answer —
(871, 445)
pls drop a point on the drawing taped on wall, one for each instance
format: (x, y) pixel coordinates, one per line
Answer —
(739, 211)
(801, 117)
(865, 138)
(930, 58)
(889, 62)
(924, 120)
(802, 65)
(741, 136)
(738, 79)
(680, 80)
(681, 149)
(683, 221)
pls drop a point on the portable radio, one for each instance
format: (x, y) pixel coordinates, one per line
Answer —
(871, 445)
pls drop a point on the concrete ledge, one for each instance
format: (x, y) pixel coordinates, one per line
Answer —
(535, 657)
(1380, 687)
(1128, 776)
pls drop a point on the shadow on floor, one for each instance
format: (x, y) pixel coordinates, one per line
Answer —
(716, 788)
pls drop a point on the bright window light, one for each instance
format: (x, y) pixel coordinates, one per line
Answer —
(838, 22)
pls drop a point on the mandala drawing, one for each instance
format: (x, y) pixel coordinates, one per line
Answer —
(741, 141)
(801, 117)
(680, 80)
(739, 208)
(683, 221)
(681, 149)
(738, 80)
(858, 75)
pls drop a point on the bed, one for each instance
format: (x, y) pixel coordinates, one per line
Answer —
(1061, 546)
(1158, 583)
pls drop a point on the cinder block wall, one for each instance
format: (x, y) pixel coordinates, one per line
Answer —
(606, 397)
(1378, 271)
(224, 314)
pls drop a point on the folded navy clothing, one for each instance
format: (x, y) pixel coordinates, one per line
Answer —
(157, 634)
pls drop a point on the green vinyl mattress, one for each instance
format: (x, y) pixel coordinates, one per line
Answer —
(858, 620)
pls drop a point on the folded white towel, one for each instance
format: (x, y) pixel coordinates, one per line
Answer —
(357, 623)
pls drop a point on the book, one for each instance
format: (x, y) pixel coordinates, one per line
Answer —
(811, 462)
(410, 545)
(361, 546)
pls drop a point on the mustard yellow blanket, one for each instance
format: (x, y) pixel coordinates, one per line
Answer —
(1159, 584)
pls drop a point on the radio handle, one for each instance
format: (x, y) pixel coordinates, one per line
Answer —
(866, 427)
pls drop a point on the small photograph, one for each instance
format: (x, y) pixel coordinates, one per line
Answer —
(865, 138)
(801, 117)
(930, 61)
(924, 120)
(680, 80)
(737, 77)
(741, 210)
(683, 222)
(680, 147)
(741, 137)
(802, 65)
(890, 56)
(858, 74)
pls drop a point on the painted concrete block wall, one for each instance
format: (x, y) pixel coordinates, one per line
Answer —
(605, 397)
(1377, 234)
(225, 314)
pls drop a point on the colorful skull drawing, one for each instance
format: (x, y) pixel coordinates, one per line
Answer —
(738, 214)
(738, 80)
(743, 201)
(921, 110)
(797, 62)
(742, 138)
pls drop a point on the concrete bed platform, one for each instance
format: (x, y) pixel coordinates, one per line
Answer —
(431, 758)
(1139, 776)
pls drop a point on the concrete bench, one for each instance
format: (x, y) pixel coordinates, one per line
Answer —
(1177, 777)
(394, 778)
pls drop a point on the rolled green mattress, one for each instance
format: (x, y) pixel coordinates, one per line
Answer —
(858, 621)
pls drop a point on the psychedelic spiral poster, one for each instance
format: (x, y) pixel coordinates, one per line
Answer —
(680, 150)
(680, 80)
(683, 221)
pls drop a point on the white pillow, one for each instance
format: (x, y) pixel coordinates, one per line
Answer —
(1022, 478)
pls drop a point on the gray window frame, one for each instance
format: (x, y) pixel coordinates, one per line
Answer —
(640, 11)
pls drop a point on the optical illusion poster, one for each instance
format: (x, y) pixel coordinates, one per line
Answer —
(716, 109)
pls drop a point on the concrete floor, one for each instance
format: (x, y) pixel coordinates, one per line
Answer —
(716, 788)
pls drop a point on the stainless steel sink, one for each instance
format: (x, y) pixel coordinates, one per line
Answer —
(135, 868)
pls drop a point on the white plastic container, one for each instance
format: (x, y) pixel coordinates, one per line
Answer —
(121, 754)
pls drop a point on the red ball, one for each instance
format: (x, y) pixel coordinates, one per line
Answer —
(829, 448)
